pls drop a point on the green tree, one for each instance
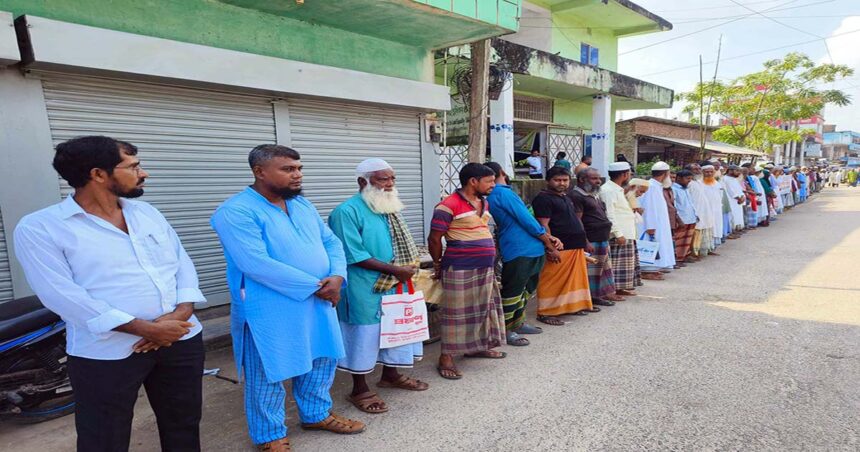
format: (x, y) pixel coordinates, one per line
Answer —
(786, 90)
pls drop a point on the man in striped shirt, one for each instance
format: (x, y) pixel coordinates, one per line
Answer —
(472, 320)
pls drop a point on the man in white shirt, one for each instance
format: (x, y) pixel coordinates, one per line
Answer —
(535, 165)
(116, 273)
(622, 241)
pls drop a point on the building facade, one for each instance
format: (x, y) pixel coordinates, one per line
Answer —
(841, 144)
(646, 139)
(564, 88)
(196, 84)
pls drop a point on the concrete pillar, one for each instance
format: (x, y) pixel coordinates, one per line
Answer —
(502, 127)
(791, 150)
(601, 129)
(26, 153)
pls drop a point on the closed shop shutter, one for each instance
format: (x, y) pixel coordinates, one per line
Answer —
(335, 137)
(5, 272)
(194, 143)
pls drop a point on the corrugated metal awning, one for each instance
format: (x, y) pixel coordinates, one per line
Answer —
(713, 146)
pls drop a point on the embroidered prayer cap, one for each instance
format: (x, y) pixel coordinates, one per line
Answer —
(619, 166)
(371, 165)
(660, 166)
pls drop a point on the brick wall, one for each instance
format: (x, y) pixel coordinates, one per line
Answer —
(626, 133)
(625, 140)
(669, 131)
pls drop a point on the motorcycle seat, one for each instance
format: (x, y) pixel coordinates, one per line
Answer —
(23, 315)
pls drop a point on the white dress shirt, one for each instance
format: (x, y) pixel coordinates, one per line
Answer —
(618, 211)
(97, 277)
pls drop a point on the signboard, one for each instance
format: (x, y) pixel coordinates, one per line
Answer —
(456, 123)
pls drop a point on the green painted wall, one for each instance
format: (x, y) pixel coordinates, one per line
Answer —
(500, 12)
(567, 41)
(215, 24)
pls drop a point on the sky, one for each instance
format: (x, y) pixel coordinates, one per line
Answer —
(748, 40)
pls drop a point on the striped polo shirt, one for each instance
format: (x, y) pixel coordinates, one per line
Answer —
(470, 244)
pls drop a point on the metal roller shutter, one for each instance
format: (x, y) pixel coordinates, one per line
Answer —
(334, 138)
(194, 143)
(5, 273)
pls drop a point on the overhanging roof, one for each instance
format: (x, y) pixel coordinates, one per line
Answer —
(624, 17)
(713, 146)
(544, 73)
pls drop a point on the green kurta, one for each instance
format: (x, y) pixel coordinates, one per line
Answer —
(365, 234)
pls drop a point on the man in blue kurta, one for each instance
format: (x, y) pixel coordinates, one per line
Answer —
(524, 246)
(381, 254)
(285, 269)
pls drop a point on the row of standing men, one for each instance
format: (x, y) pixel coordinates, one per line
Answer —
(305, 292)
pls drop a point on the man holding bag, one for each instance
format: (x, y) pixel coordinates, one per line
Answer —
(381, 255)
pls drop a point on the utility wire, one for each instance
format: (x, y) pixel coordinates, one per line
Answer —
(700, 30)
(710, 7)
(759, 52)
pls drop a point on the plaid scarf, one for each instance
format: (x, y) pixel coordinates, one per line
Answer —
(405, 252)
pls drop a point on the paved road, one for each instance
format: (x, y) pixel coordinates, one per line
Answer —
(757, 349)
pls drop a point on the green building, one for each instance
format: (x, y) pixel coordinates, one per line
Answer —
(197, 83)
(565, 88)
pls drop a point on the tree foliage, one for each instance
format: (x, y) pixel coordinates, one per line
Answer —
(754, 105)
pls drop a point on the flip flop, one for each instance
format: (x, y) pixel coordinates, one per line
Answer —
(453, 369)
(515, 339)
(551, 320)
(404, 382)
(485, 354)
(365, 400)
(525, 328)
(593, 309)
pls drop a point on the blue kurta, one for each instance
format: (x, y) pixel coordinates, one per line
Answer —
(279, 260)
(365, 234)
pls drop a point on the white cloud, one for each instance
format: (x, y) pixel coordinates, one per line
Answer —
(844, 50)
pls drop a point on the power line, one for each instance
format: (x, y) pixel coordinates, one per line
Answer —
(699, 31)
(759, 52)
(709, 7)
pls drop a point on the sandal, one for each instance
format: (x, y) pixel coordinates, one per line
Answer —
(337, 424)
(278, 445)
(366, 401)
(525, 328)
(515, 339)
(454, 372)
(404, 382)
(488, 354)
(550, 320)
(592, 309)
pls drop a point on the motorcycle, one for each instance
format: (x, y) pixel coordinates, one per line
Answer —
(34, 384)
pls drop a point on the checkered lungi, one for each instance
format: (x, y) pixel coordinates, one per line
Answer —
(683, 238)
(600, 278)
(637, 267)
(623, 260)
(471, 316)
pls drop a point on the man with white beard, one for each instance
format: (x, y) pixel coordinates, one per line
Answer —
(703, 237)
(735, 191)
(714, 195)
(656, 218)
(380, 255)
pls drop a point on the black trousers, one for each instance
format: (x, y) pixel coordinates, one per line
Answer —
(106, 390)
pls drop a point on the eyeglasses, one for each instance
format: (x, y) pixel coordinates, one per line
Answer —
(136, 169)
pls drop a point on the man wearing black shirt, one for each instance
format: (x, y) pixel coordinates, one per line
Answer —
(563, 287)
(591, 210)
